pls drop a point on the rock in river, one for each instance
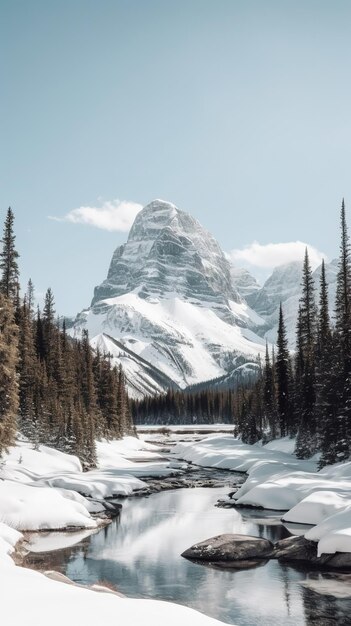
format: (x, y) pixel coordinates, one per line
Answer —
(230, 547)
(303, 551)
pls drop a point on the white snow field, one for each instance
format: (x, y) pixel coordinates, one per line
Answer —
(278, 480)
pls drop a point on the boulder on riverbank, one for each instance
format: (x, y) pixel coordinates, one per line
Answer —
(303, 551)
(242, 551)
(230, 547)
(295, 549)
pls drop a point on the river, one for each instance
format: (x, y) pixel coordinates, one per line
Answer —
(139, 553)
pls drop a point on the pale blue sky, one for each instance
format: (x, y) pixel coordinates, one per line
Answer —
(237, 111)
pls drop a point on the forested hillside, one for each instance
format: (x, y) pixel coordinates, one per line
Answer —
(53, 388)
(305, 394)
(308, 394)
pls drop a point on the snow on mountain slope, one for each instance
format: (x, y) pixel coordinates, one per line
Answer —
(245, 284)
(186, 342)
(169, 299)
(142, 378)
(284, 285)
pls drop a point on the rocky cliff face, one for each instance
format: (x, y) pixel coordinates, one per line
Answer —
(245, 284)
(169, 300)
(168, 251)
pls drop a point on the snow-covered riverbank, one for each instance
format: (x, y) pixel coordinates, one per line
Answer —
(278, 480)
(47, 490)
(42, 490)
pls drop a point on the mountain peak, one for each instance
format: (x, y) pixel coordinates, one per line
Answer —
(158, 210)
(168, 251)
(168, 308)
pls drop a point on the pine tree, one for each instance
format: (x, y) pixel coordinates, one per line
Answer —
(27, 372)
(269, 395)
(107, 383)
(9, 283)
(326, 380)
(30, 297)
(283, 377)
(306, 438)
(88, 382)
(342, 341)
(49, 332)
(121, 403)
(8, 375)
(323, 320)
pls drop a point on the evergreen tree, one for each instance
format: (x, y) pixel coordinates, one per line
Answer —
(342, 341)
(121, 402)
(9, 283)
(88, 381)
(27, 372)
(8, 375)
(283, 377)
(269, 396)
(326, 380)
(49, 332)
(306, 443)
(30, 297)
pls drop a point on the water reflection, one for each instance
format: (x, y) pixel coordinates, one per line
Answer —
(140, 554)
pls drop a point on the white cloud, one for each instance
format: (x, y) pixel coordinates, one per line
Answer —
(113, 215)
(270, 255)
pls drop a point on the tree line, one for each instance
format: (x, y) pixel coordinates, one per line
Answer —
(207, 406)
(308, 394)
(55, 389)
(305, 394)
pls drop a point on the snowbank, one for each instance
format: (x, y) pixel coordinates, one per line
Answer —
(46, 601)
(43, 460)
(226, 452)
(31, 507)
(8, 539)
(317, 506)
(279, 481)
(29, 597)
(283, 492)
(96, 484)
(133, 456)
(45, 489)
(42, 490)
(333, 533)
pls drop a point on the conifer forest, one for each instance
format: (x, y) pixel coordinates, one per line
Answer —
(53, 388)
(59, 391)
(304, 394)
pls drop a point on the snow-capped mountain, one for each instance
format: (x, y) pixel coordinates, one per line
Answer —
(284, 285)
(168, 251)
(170, 302)
(245, 284)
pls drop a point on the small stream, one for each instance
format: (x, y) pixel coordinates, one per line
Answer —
(139, 553)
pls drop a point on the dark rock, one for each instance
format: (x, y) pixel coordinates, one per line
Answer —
(339, 560)
(232, 566)
(300, 550)
(232, 493)
(230, 547)
(295, 549)
(225, 504)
